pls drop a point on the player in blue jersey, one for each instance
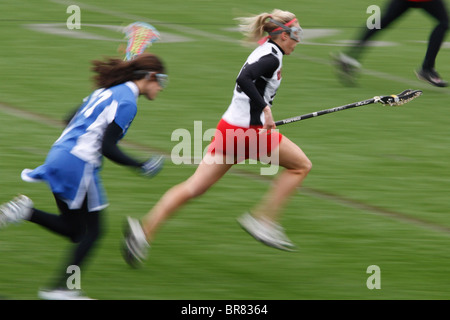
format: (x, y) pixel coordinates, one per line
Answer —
(72, 166)
(249, 122)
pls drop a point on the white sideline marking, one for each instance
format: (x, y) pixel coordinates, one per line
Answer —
(177, 27)
(172, 26)
(60, 29)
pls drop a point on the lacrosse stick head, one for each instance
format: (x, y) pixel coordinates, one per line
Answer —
(139, 35)
(399, 99)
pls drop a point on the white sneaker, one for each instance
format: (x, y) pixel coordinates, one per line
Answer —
(61, 294)
(347, 67)
(16, 210)
(347, 60)
(268, 232)
(135, 248)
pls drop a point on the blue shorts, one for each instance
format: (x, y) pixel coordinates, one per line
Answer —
(71, 179)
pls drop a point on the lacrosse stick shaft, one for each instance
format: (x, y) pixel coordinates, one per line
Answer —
(392, 100)
(326, 111)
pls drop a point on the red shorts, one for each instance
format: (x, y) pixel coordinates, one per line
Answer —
(243, 143)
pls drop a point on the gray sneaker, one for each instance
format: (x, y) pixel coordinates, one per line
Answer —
(267, 232)
(432, 77)
(347, 68)
(62, 294)
(16, 210)
(135, 245)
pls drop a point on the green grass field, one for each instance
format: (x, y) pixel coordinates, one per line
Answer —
(377, 194)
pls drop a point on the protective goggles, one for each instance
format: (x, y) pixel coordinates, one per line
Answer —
(161, 78)
(295, 33)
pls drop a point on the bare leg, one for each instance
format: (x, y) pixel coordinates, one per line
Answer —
(297, 166)
(209, 171)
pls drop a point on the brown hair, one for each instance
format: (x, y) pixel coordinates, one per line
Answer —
(254, 27)
(115, 71)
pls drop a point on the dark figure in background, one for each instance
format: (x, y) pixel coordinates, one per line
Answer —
(348, 64)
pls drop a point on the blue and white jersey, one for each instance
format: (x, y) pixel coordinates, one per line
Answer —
(72, 166)
(84, 134)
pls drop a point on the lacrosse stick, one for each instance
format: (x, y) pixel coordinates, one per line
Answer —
(139, 35)
(392, 100)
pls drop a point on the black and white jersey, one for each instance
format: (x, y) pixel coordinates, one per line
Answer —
(256, 86)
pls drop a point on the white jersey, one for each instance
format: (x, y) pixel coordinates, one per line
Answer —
(256, 86)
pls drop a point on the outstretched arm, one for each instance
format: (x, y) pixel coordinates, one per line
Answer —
(110, 149)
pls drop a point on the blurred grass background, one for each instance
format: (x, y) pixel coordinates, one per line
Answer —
(377, 194)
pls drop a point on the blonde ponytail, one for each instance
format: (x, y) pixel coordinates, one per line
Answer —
(255, 27)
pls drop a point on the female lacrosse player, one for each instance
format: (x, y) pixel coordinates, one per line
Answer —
(348, 63)
(248, 119)
(73, 164)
